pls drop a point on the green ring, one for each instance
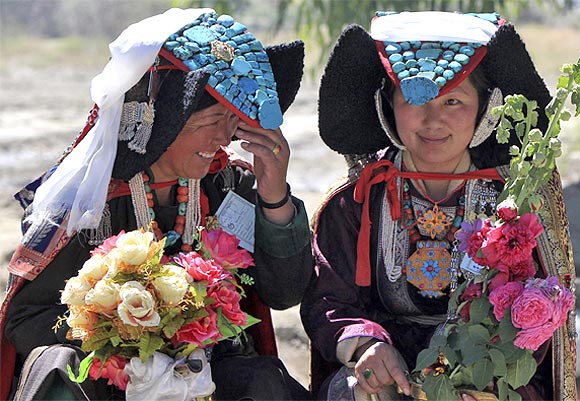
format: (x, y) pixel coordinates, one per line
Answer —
(367, 373)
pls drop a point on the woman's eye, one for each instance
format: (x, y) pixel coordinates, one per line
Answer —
(452, 102)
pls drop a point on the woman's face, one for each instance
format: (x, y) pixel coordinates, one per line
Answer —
(438, 133)
(192, 152)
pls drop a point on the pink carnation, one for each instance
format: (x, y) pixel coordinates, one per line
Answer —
(512, 242)
(201, 269)
(113, 370)
(507, 210)
(503, 297)
(200, 330)
(228, 299)
(224, 248)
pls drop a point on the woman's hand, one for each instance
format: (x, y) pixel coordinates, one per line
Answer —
(271, 155)
(383, 366)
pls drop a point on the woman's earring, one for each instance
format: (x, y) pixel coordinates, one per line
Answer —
(488, 121)
(385, 124)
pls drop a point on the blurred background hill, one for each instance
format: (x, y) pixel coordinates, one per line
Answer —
(50, 50)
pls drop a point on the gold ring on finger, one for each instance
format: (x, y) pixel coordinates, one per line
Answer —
(276, 149)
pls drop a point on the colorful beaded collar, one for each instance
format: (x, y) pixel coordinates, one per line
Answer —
(241, 74)
(430, 63)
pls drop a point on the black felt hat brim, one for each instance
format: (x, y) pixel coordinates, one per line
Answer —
(179, 97)
(348, 121)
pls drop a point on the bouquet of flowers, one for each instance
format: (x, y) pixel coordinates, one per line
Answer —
(146, 321)
(502, 312)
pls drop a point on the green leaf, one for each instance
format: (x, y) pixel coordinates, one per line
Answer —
(499, 363)
(479, 310)
(502, 389)
(521, 371)
(473, 353)
(439, 388)
(482, 373)
(84, 368)
(506, 329)
(514, 396)
(426, 357)
(478, 334)
(148, 344)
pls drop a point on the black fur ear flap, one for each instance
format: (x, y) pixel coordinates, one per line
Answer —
(287, 61)
(508, 66)
(347, 118)
(177, 99)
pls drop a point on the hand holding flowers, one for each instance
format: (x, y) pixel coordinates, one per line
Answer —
(139, 313)
(503, 311)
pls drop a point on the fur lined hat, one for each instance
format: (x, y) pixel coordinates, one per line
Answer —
(406, 48)
(211, 59)
(162, 69)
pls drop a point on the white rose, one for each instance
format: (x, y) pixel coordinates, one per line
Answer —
(94, 268)
(104, 296)
(134, 247)
(74, 291)
(137, 307)
(178, 271)
(112, 260)
(80, 318)
(171, 289)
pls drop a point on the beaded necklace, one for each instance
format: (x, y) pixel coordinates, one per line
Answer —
(429, 267)
(188, 209)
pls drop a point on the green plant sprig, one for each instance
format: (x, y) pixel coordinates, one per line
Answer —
(534, 160)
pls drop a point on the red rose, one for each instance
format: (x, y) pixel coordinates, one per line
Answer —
(113, 370)
(200, 330)
(507, 210)
(228, 299)
(473, 290)
(201, 269)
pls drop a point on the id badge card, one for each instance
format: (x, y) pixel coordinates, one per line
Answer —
(237, 217)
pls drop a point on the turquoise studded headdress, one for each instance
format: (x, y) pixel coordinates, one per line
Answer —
(427, 54)
(241, 76)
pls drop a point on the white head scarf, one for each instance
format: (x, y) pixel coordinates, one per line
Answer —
(80, 182)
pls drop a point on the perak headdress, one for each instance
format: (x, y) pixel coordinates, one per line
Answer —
(425, 54)
(160, 72)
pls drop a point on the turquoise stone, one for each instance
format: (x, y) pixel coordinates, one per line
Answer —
(461, 58)
(182, 53)
(238, 28)
(430, 45)
(182, 208)
(391, 48)
(151, 214)
(409, 55)
(411, 64)
(455, 66)
(240, 66)
(270, 114)
(201, 35)
(419, 90)
(415, 44)
(427, 64)
(398, 67)
(247, 85)
(192, 65)
(428, 53)
(403, 74)
(395, 58)
(171, 45)
(467, 50)
(448, 74)
(455, 47)
(448, 55)
(440, 81)
(413, 71)
(219, 29)
(405, 45)
(439, 70)
(443, 63)
(225, 20)
(427, 74)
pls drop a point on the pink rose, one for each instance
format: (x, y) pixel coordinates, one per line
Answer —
(503, 297)
(200, 330)
(533, 337)
(523, 270)
(531, 309)
(507, 210)
(498, 280)
(201, 269)
(109, 244)
(113, 370)
(228, 299)
(224, 248)
(512, 242)
(558, 294)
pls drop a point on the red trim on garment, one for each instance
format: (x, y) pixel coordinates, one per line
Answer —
(385, 171)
